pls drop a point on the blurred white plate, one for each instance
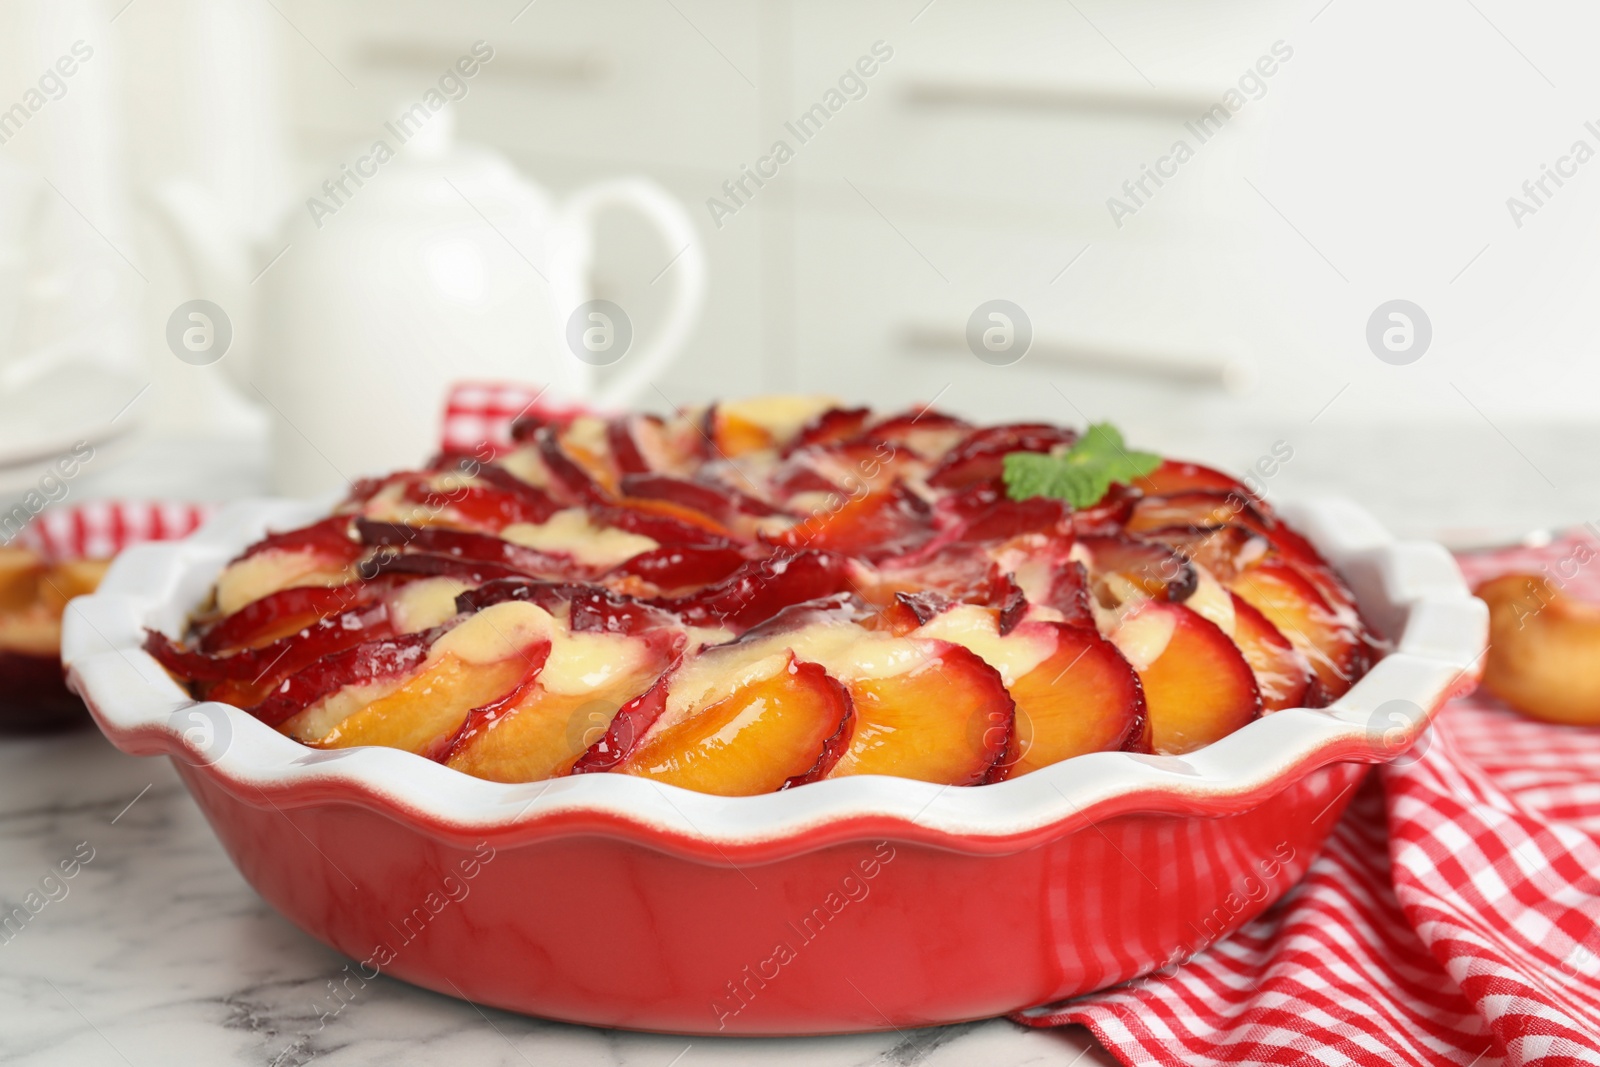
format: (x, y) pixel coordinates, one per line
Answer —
(44, 418)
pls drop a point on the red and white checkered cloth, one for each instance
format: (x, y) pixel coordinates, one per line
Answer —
(98, 529)
(477, 413)
(1451, 920)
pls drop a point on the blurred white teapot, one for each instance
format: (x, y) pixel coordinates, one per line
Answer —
(410, 269)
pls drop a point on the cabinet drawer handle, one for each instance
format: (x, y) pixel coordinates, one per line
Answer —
(1206, 369)
(552, 68)
(1056, 99)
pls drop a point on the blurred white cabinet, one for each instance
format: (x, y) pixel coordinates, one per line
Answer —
(974, 161)
(979, 160)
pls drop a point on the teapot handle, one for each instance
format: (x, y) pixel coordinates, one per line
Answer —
(687, 271)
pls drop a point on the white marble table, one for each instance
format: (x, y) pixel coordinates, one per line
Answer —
(160, 953)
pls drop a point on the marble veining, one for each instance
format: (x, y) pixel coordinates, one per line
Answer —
(155, 951)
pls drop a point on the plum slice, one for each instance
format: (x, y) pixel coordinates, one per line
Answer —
(980, 456)
(622, 440)
(319, 554)
(678, 567)
(1207, 508)
(1282, 672)
(1197, 686)
(329, 537)
(461, 545)
(733, 434)
(1212, 509)
(542, 727)
(908, 611)
(1051, 580)
(572, 482)
(1225, 550)
(530, 499)
(794, 619)
(1330, 638)
(246, 677)
(1084, 698)
(831, 427)
(426, 710)
(471, 664)
(848, 468)
(1109, 515)
(774, 726)
(664, 522)
(365, 664)
(1032, 569)
(946, 720)
(983, 512)
(1197, 507)
(591, 608)
(803, 473)
(532, 734)
(924, 708)
(485, 507)
(1149, 567)
(628, 726)
(955, 570)
(1011, 518)
(759, 588)
(287, 611)
(928, 434)
(763, 423)
(640, 444)
(430, 564)
(720, 503)
(875, 526)
(715, 502)
(1176, 476)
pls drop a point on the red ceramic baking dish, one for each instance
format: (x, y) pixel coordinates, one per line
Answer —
(863, 903)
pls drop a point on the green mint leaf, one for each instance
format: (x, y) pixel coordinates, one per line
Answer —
(1030, 474)
(1083, 474)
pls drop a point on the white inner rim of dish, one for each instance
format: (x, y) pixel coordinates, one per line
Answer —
(1410, 592)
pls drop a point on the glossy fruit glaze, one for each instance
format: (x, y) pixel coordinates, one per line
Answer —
(759, 595)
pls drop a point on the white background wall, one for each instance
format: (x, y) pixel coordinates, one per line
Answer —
(1377, 165)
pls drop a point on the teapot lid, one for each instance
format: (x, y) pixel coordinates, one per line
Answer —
(415, 162)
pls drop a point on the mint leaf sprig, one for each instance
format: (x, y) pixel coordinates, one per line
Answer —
(1083, 474)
